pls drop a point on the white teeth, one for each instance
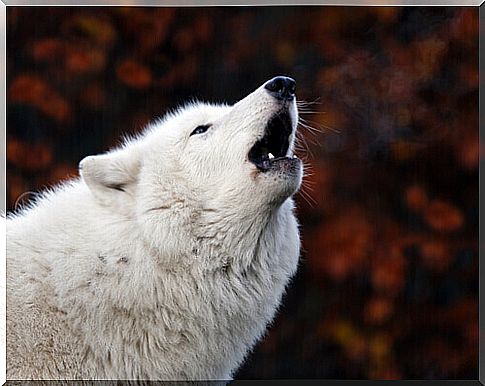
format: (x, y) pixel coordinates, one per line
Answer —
(270, 156)
(294, 156)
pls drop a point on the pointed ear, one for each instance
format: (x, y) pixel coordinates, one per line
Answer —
(110, 175)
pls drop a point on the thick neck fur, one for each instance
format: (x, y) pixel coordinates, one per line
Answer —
(127, 294)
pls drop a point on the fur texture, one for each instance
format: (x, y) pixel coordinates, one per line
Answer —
(166, 259)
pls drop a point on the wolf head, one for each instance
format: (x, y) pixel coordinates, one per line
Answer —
(205, 161)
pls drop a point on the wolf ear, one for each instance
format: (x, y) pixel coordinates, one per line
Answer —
(109, 175)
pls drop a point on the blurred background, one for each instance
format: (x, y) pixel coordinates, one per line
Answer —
(388, 282)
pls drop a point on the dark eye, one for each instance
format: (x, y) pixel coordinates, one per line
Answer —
(200, 129)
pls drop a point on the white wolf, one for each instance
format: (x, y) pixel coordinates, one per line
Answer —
(168, 257)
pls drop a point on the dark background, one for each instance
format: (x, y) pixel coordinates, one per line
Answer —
(388, 282)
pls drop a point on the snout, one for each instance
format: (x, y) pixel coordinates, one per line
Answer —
(281, 87)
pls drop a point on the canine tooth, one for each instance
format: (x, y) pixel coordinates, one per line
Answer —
(270, 156)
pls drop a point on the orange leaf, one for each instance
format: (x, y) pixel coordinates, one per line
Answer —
(436, 255)
(35, 91)
(134, 74)
(47, 49)
(416, 198)
(378, 310)
(443, 216)
(27, 156)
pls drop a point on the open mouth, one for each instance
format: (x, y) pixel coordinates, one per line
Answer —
(274, 144)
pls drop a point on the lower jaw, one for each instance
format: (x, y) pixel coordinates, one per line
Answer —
(278, 164)
(287, 165)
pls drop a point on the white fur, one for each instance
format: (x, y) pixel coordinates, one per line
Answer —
(165, 260)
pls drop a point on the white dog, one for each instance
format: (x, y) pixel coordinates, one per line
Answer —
(168, 257)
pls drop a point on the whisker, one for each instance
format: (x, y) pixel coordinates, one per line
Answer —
(311, 138)
(310, 112)
(319, 125)
(310, 131)
(305, 107)
(308, 187)
(305, 174)
(302, 102)
(314, 126)
(301, 139)
(307, 197)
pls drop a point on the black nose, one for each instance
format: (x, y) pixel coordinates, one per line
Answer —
(281, 87)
